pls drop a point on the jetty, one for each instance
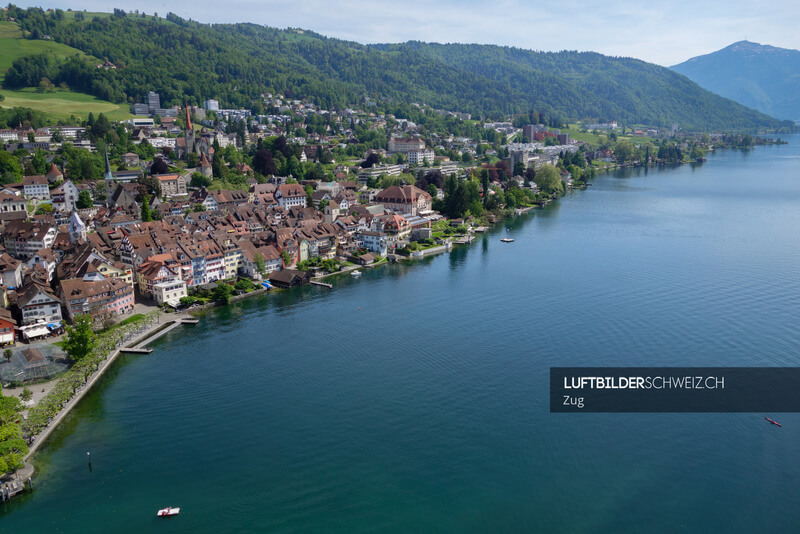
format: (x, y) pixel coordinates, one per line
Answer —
(190, 320)
(321, 284)
(136, 350)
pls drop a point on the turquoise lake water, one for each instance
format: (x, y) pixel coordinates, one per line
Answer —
(415, 399)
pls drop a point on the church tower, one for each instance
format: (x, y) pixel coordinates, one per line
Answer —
(111, 184)
(189, 135)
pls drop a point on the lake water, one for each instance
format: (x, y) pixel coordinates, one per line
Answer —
(415, 399)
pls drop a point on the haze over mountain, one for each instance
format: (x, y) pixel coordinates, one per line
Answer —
(763, 77)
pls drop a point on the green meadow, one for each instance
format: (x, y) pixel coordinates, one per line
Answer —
(58, 104)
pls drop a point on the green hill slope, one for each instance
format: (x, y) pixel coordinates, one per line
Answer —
(58, 104)
(184, 60)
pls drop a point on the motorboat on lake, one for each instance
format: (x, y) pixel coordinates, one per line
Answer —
(168, 512)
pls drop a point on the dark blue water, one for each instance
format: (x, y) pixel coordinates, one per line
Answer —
(415, 399)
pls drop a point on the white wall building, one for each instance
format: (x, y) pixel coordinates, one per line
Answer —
(169, 292)
(420, 157)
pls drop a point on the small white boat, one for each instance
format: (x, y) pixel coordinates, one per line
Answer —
(507, 240)
(168, 512)
(355, 273)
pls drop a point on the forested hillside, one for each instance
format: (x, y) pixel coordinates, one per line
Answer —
(185, 60)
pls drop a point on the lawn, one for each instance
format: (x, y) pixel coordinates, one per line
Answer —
(581, 136)
(62, 104)
(12, 46)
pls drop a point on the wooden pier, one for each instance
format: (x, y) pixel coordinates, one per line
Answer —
(321, 284)
(190, 320)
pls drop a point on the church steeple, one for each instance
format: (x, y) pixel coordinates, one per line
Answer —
(111, 184)
(188, 118)
(108, 175)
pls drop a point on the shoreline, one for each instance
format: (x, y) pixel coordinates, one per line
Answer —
(172, 321)
(149, 335)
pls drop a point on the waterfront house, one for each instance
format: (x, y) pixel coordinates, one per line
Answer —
(155, 271)
(289, 278)
(169, 292)
(373, 241)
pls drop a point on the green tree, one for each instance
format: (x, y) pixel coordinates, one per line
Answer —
(222, 293)
(26, 394)
(623, 151)
(80, 339)
(147, 214)
(199, 180)
(261, 264)
(8, 354)
(10, 169)
(84, 200)
(548, 178)
(12, 445)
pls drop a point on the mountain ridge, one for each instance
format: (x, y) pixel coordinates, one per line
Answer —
(762, 77)
(235, 63)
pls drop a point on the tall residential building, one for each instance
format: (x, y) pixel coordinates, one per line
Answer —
(153, 101)
(211, 105)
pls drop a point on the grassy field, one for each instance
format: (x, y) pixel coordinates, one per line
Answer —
(62, 104)
(12, 46)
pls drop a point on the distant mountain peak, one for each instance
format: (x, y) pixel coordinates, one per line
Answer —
(758, 48)
(760, 76)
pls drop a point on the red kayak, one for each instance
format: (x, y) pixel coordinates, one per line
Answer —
(774, 422)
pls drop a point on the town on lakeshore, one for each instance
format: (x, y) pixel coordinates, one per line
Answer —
(108, 228)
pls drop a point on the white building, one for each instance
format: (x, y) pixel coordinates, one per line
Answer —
(141, 122)
(36, 187)
(11, 203)
(65, 197)
(211, 105)
(169, 292)
(291, 195)
(420, 157)
(405, 144)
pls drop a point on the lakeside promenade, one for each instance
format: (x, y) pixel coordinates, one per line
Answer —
(147, 334)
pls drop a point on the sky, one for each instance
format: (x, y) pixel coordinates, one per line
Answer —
(665, 32)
